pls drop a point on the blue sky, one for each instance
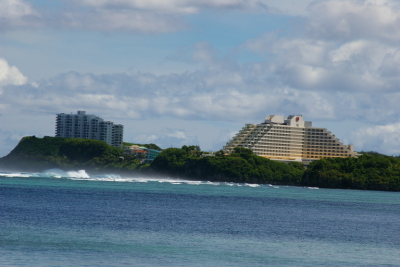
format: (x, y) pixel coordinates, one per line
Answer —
(178, 72)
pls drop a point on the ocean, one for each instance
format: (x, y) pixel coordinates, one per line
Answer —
(58, 218)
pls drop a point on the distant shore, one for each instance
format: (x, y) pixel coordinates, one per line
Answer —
(370, 171)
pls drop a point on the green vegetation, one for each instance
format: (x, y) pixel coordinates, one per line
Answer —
(149, 146)
(38, 154)
(242, 166)
(369, 171)
(372, 171)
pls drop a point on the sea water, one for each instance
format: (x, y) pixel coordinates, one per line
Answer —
(58, 218)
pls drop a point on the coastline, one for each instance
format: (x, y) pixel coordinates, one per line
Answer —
(367, 172)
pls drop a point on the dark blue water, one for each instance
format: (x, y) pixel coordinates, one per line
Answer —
(48, 221)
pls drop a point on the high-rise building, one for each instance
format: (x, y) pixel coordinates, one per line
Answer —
(85, 126)
(292, 139)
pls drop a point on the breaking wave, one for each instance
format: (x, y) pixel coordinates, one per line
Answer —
(57, 173)
(83, 175)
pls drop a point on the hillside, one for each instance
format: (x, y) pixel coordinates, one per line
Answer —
(38, 154)
(242, 166)
(370, 171)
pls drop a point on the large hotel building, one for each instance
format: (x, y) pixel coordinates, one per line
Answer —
(85, 126)
(290, 139)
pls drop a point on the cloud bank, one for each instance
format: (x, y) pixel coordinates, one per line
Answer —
(339, 61)
(151, 16)
(17, 14)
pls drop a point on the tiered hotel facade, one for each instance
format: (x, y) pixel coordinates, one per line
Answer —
(85, 126)
(290, 139)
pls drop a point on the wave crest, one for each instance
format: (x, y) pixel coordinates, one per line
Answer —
(57, 173)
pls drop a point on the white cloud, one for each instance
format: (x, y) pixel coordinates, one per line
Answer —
(312, 64)
(145, 139)
(302, 49)
(10, 75)
(175, 6)
(347, 46)
(150, 16)
(187, 96)
(341, 63)
(12, 9)
(355, 19)
(292, 7)
(384, 138)
(178, 134)
(123, 20)
(17, 13)
(169, 138)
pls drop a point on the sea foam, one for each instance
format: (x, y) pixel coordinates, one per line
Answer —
(57, 173)
(83, 175)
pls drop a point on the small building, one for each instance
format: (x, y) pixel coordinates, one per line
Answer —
(152, 153)
(141, 152)
(290, 139)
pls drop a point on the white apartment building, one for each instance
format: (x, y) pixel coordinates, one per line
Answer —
(85, 126)
(290, 139)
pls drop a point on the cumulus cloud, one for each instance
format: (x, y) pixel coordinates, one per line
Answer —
(122, 20)
(147, 139)
(342, 62)
(354, 19)
(176, 6)
(318, 65)
(10, 75)
(152, 16)
(379, 138)
(296, 7)
(308, 73)
(187, 96)
(169, 138)
(17, 13)
(328, 56)
(146, 16)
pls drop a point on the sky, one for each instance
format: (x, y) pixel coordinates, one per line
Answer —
(189, 72)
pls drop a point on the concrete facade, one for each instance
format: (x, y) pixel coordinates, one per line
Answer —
(85, 126)
(290, 139)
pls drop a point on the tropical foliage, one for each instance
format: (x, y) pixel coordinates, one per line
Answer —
(38, 154)
(241, 166)
(371, 170)
(377, 172)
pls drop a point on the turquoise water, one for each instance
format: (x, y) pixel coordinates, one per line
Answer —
(61, 218)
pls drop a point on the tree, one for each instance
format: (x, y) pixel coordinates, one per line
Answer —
(152, 146)
(220, 153)
(242, 152)
(192, 150)
(170, 161)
